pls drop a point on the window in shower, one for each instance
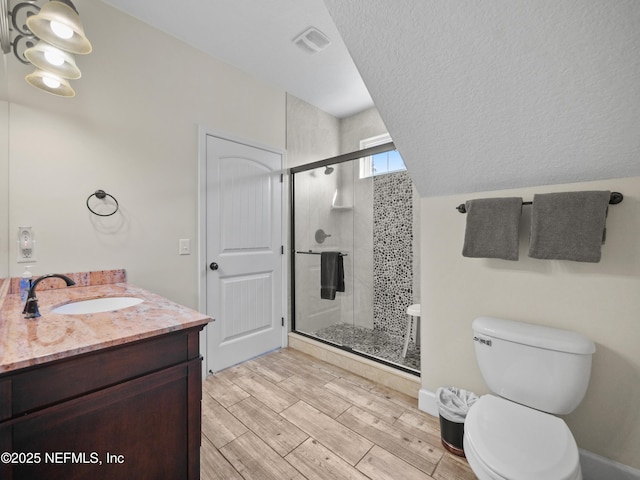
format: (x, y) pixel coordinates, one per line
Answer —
(380, 163)
(368, 224)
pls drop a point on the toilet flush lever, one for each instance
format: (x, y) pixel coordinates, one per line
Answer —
(482, 341)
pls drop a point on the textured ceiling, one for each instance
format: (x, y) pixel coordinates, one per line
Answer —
(256, 37)
(495, 94)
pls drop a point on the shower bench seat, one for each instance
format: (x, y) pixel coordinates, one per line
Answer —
(413, 311)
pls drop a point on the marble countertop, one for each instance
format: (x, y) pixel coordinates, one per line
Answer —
(52, 336)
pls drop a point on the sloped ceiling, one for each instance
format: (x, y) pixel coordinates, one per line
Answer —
(495, 94)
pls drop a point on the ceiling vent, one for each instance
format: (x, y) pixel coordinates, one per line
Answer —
(312, 40)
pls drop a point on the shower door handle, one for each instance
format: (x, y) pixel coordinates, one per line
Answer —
(213, 266)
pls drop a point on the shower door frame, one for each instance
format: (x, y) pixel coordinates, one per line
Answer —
(347, 157)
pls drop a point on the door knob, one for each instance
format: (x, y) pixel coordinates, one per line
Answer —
(213, 266)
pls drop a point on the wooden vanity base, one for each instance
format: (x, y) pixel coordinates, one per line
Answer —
(131, 411)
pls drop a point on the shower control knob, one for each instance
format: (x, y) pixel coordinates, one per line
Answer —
(213, 266)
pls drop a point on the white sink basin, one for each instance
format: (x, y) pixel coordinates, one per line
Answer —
(97, 305)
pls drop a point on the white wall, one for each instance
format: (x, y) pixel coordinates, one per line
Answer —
(600, 300)
(131, 130)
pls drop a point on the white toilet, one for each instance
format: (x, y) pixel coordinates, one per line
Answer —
(538, 372)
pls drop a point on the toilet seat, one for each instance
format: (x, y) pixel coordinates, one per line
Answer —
(508, 441)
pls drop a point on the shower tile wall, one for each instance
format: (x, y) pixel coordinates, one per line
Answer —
(392, 251)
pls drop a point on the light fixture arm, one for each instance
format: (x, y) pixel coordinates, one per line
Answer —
(24, 38)
(15, 15)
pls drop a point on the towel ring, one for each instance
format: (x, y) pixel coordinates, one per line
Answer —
(101, 194)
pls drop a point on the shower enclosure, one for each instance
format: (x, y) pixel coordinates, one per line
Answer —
(356, 297)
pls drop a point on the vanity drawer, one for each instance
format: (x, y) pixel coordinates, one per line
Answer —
(45, 385)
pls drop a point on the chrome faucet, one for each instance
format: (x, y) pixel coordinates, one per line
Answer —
(31, 306)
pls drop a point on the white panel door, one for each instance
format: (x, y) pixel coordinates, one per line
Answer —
(243, 251)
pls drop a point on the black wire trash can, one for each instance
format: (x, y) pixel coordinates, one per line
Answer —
(453, 405)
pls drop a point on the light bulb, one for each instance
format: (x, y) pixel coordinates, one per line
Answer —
(61, 30)
(50, 82)
(54, 57)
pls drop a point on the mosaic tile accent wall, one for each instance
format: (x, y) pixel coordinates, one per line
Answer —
(392, 251)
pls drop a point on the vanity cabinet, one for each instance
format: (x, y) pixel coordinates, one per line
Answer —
(130, 411)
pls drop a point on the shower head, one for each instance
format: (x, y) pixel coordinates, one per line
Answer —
(328, 170)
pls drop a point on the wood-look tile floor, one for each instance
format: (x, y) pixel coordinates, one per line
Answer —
(287, 415)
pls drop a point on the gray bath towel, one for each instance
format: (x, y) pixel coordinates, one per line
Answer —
(492, 228)
(569, 225)
(331, 275)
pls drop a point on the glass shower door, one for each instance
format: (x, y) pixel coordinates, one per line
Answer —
(368, 216)
(321, 224)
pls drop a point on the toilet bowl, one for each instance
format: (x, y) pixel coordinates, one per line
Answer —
(507, 441)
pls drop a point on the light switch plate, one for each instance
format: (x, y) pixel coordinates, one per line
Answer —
(185, 246)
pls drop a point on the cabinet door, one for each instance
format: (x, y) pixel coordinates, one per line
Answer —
(148, 428)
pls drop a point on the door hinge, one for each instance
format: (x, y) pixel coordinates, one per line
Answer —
(282, 178)
(281, 249)
(283, 321)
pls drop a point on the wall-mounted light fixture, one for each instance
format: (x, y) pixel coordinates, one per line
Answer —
(46, 37)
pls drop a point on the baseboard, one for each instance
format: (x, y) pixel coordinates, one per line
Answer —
(427, 402)
(594, 467)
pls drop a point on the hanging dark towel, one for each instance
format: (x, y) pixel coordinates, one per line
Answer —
(492, 228)
(569, 225)
(331, 275)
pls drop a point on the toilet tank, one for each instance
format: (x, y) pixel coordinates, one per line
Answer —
(542, 367)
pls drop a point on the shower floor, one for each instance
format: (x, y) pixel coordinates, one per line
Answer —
(375, 343)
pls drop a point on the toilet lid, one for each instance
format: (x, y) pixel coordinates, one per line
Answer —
(515, 441)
